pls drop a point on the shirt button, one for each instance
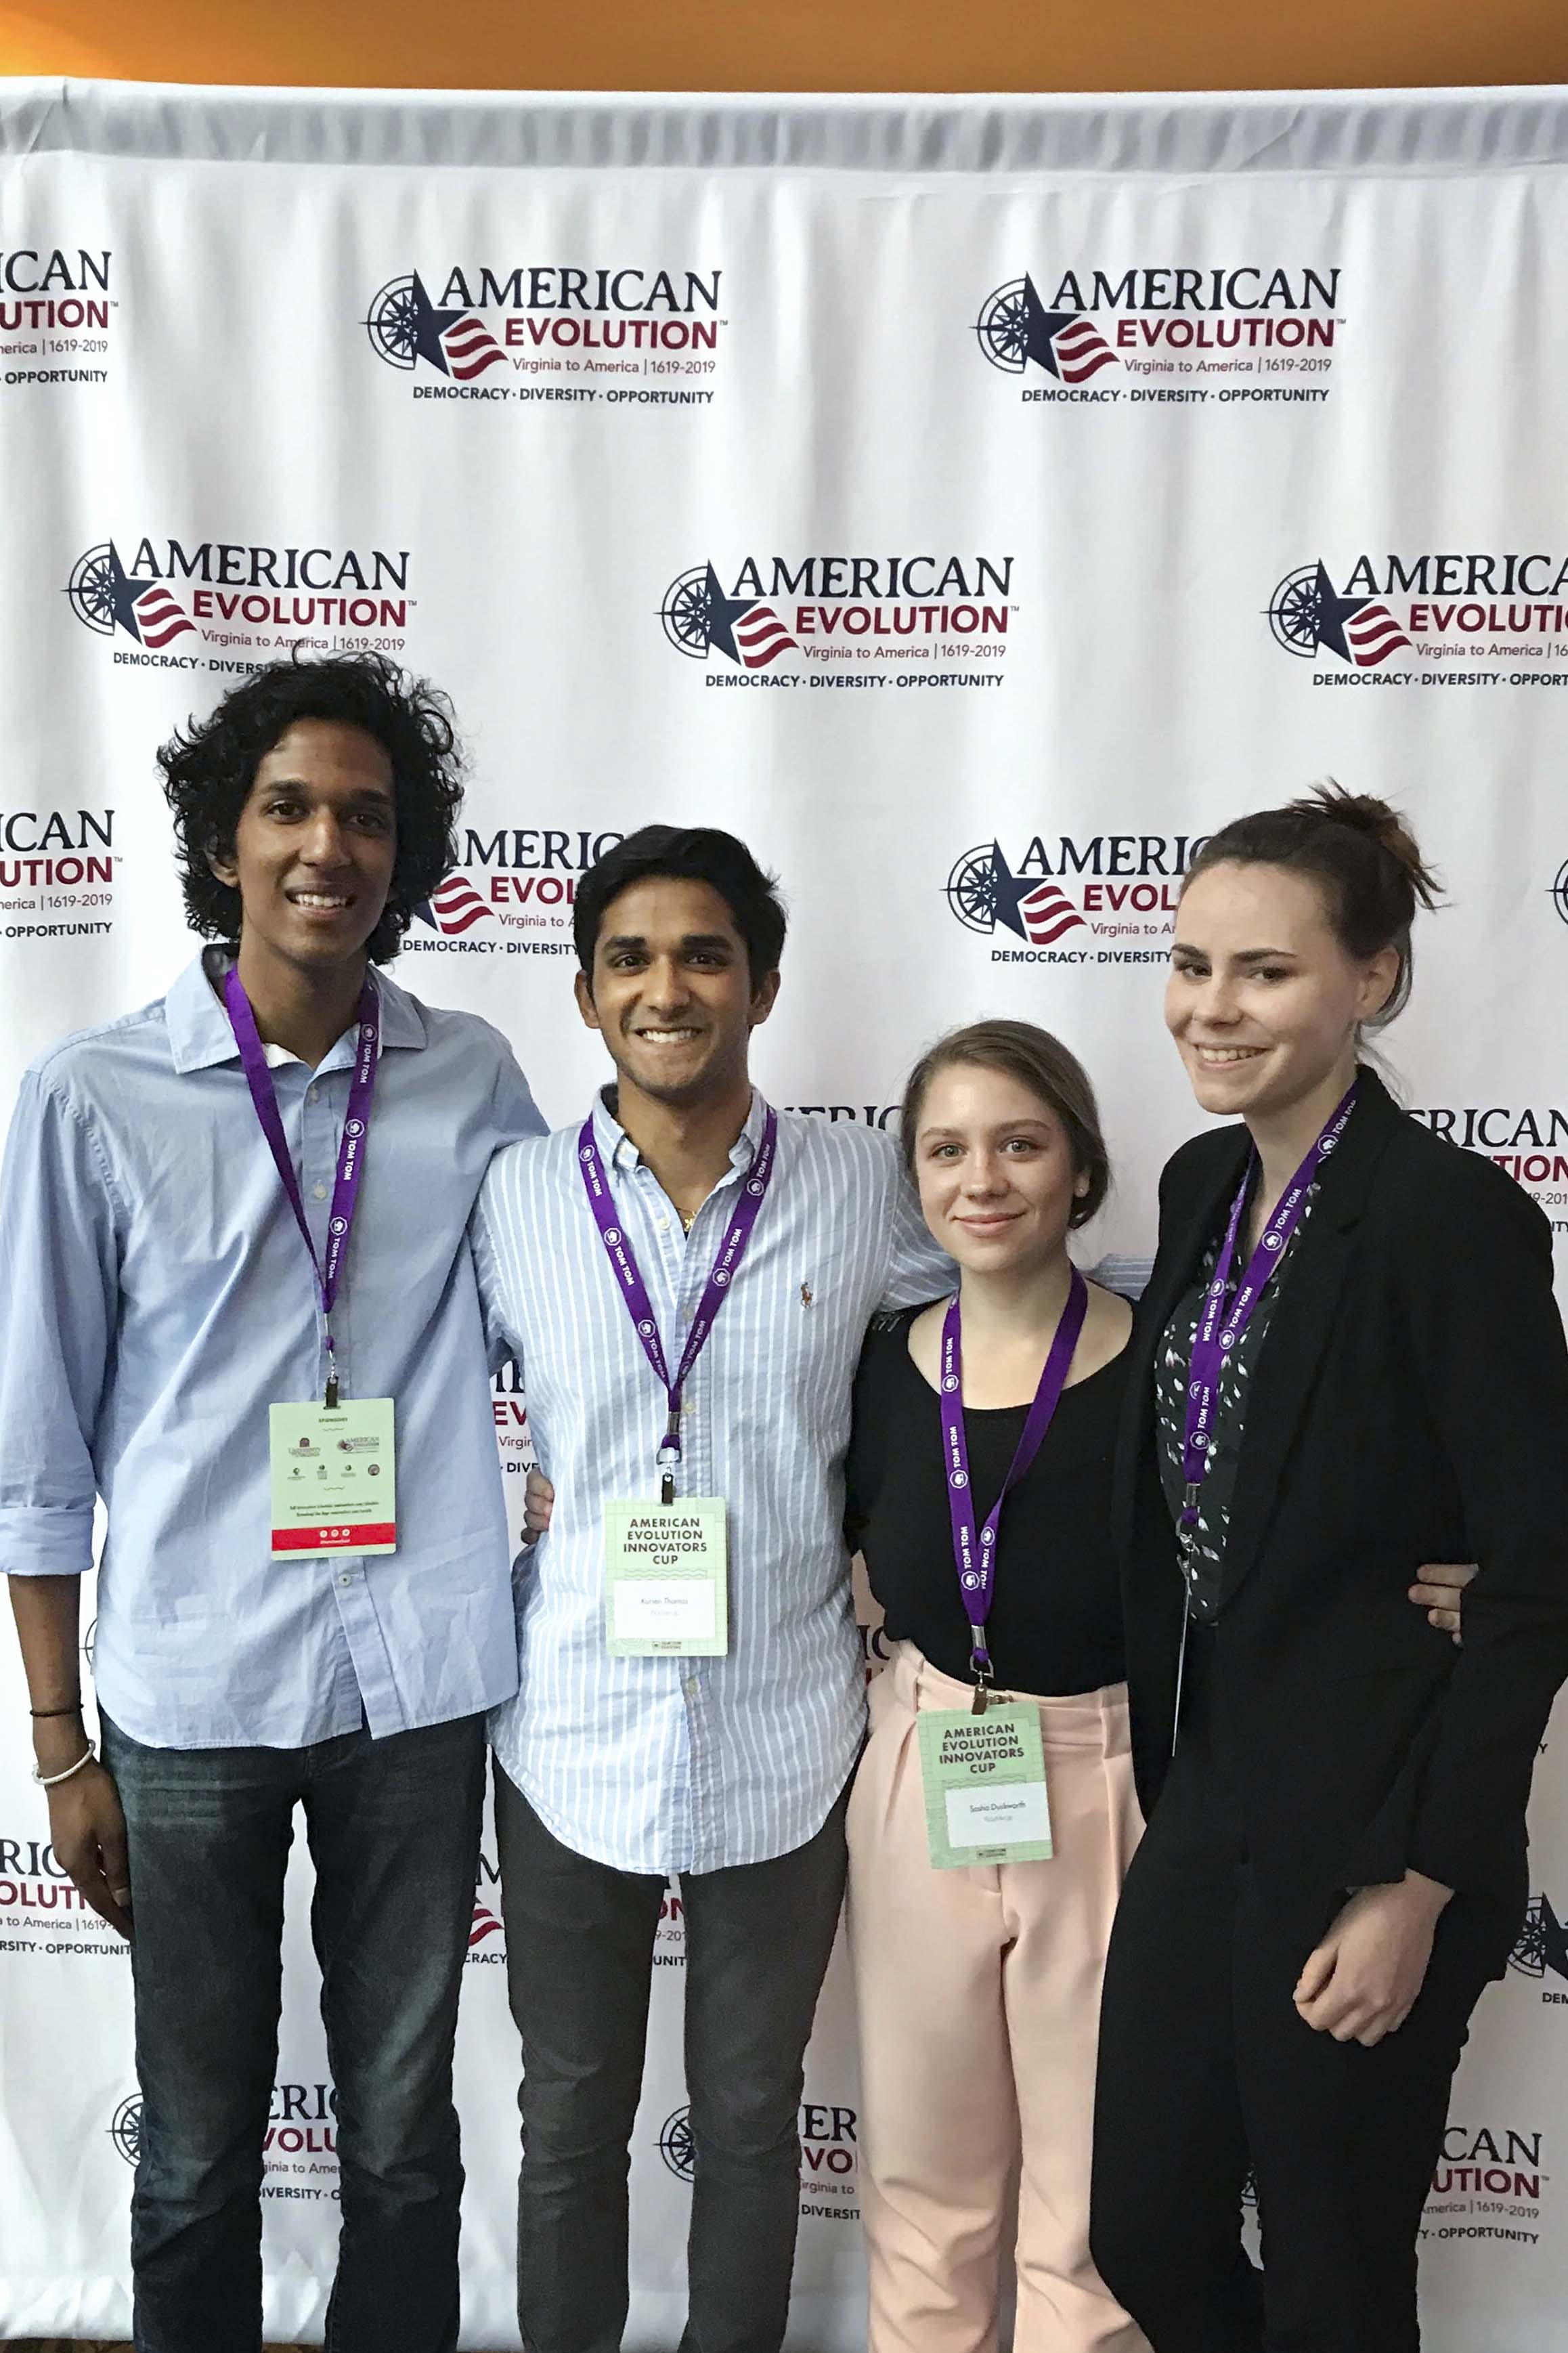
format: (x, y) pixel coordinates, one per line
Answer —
(691, 1686)
(310, 1094)
(664, 1225)
(320, 1191)
(346, 1578)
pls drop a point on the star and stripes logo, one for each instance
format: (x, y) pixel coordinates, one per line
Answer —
(406, 327)
(104, 597)
(485, 1922)
(983, 892)
(698, 617)
(1016, 329)
(1307, 615)
(453, 908)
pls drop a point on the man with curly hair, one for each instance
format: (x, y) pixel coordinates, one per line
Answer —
(250, 1198)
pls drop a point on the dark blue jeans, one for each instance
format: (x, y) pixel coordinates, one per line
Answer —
(579, 1949)
(394, 1830)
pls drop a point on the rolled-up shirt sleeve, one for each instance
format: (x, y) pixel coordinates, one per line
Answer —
(60, 1254)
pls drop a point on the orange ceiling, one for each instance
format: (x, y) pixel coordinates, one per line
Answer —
(759, 45)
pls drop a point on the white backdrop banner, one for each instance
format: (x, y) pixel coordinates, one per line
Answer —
(971, 503)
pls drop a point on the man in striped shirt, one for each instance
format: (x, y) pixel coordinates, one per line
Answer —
(615, 1770)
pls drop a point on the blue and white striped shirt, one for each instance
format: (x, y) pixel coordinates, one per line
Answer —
(667, 1764)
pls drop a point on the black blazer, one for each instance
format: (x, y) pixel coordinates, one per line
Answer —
(1410, 1403)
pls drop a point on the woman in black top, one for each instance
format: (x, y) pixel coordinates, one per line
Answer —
(1348, 1359)
(978, 1982)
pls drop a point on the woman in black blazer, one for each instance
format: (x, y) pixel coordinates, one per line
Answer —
(1335, 1866)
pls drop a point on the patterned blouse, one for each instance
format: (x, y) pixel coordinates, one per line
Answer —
(1203, 1557)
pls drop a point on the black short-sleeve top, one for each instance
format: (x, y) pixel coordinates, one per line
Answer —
(1056, 1619)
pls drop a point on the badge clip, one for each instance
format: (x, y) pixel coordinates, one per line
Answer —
(669, 1456)
(980, 1661)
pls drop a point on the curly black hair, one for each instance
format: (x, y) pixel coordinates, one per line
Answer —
(209, 770)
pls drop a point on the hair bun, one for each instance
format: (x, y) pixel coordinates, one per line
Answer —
(1378, 821)
(1359, 854)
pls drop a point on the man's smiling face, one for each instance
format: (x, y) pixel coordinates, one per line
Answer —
(316, 844)
(672, 991)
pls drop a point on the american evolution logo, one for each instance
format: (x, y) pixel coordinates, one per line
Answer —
(1488, 2185)
(1489, 619)
(56, 306)
(537, 332)
(1240, 333)
(1087, 899)
(225, 605)
(513, 894)
(1529, 1141)
(57, 882)
(829, 2157)
(845, 620)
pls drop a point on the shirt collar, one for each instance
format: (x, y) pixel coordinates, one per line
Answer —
(617, 1150)
(200, 1037)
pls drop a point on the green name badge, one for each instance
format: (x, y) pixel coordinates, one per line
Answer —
(665, 1579)
(984, 1781)
(334, 1478)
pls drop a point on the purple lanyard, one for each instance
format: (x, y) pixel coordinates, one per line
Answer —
(1218, 1332)
(634, 1291)
(974, 1551)
(351, 1152)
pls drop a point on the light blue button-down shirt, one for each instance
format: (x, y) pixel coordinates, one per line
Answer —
(157, 1297)
(664, 1764)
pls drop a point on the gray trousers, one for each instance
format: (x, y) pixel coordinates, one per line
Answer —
(580, 1943)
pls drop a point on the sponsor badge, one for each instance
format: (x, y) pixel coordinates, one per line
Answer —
(334, 1478)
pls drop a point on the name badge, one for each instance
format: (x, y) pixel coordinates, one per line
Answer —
(984, 1781)
(665, 1579)
(334, 1478)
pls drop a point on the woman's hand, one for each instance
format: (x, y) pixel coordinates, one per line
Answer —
(1363, 1980)
(538, 1502)
(1441, 1593)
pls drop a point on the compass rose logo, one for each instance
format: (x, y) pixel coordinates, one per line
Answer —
(983, 892)
(676, 2147)
(104, 597)
(125, 2131)
(698, 617)
(1014, 328)
(1543, 1942)
(406, 327)
(1306, 613)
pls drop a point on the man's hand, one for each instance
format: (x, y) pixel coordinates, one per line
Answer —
(539, 1501)
(1441, 1593)
(1361, 1981)
(87, 1830)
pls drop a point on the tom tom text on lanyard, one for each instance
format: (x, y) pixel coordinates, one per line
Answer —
(351, 1150)
(974, 1549)
(634, 1290)
(1218, 1332)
